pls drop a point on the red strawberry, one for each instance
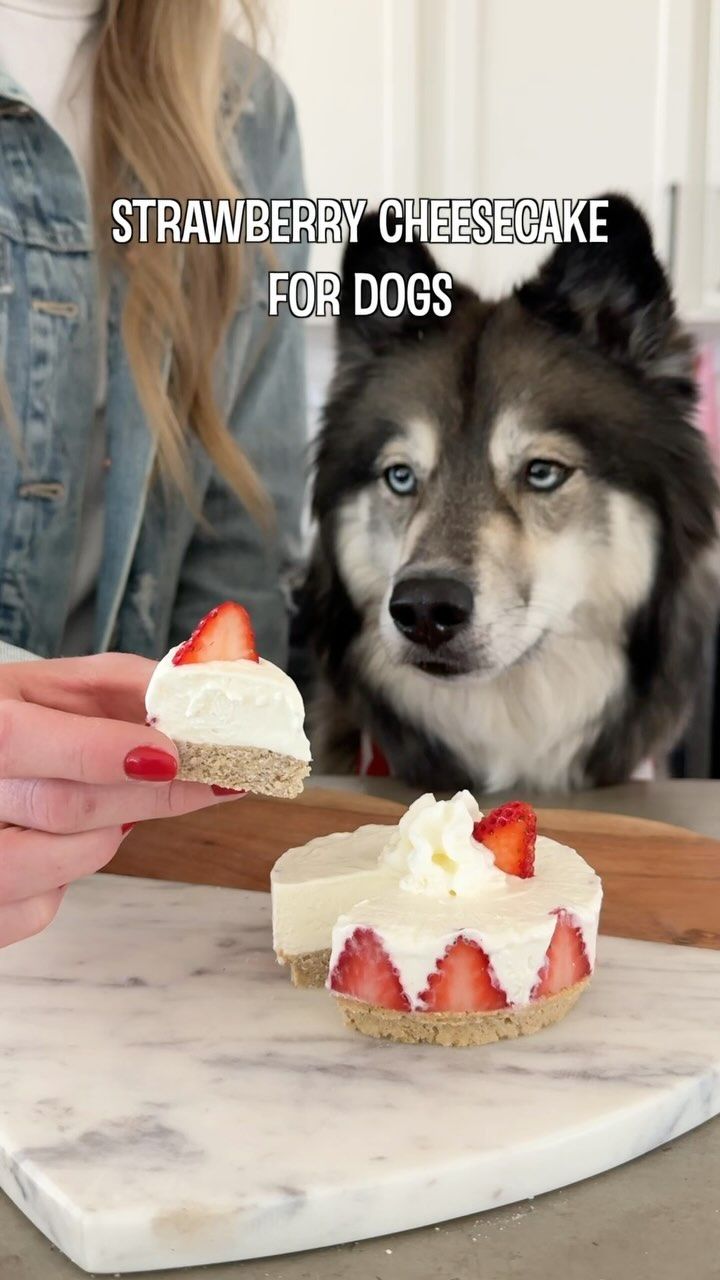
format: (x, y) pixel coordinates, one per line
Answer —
(364, 971)
(463, 982)
(510, 833)
(224, 634)
(566, 961)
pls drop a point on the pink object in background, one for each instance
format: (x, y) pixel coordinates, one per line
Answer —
(708, 416)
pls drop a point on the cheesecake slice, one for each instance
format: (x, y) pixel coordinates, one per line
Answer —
(236, 719)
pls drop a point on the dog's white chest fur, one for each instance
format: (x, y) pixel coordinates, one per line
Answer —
(527, 725)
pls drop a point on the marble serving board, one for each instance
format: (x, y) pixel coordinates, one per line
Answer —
(168, 1099)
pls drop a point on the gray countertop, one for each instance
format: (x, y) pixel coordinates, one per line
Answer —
(655, 1219)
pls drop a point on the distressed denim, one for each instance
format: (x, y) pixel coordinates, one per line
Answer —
(162, 567)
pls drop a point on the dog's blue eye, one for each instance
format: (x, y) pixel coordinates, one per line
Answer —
(401, 479)
(544, 476)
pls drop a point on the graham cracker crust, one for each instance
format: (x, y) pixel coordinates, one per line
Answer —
(267, 773)
(309, 970)
(459, 1030)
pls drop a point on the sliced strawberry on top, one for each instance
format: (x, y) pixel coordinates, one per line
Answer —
(566, 960)
(463, 982)
(224, 634)
(365, 972)
(510, 832)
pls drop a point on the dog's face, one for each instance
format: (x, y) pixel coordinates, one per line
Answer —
(496, 479)
(484, 521)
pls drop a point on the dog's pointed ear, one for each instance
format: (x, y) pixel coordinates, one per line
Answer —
(615, 297)
(372, 255)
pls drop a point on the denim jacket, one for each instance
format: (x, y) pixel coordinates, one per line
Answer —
(162, 568)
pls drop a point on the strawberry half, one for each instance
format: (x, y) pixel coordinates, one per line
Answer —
(510, 833)
(463, 982)
(566, 961)
(224, 634)
(365, 972)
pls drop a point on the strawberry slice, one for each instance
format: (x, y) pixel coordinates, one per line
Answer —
(566, 961)
(224, 634)
(365, 972)
(510, 833)
(463, 982)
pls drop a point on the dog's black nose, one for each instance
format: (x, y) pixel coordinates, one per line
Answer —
(432, 610)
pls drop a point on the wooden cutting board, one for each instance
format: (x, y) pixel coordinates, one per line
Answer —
(662, 883)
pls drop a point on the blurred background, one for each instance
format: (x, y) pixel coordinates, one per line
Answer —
(541, 98)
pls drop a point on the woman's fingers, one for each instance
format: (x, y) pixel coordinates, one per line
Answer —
(81, 719)
(36, 742)
(75, 763)
(20, 920)
(63, 807)
(106, 684)
(33, 864)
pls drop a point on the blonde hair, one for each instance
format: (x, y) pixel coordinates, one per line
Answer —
(158, 84)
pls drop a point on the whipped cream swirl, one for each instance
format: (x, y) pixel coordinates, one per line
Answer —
(434, 847)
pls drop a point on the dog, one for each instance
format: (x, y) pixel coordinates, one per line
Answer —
(515, 571)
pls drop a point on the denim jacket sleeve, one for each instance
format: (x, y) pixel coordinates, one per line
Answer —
(229, 556)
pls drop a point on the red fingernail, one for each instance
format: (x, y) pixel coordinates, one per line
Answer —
(226, 791)
(150, 764)
(127, 826)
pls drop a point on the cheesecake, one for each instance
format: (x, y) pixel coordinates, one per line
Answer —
(452, 927)
(237, 720)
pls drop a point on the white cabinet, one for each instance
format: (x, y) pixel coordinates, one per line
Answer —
(569, 105)
(541, 98)
(352, 67)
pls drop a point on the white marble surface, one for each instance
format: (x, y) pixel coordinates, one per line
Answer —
(166, 1098)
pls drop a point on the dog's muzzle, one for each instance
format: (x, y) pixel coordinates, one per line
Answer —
(431, 610)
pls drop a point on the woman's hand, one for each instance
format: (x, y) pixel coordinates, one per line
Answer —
(77, 766)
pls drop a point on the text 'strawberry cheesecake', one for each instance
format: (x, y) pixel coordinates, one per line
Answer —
(488, 932)
(236, 720)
